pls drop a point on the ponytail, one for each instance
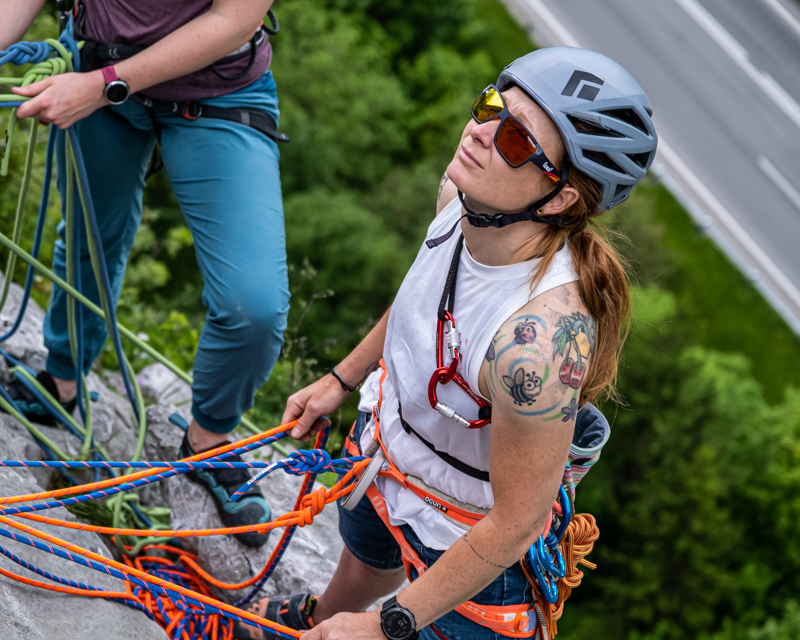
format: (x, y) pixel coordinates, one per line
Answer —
(602, 284)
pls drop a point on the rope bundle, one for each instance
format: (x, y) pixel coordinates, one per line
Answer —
(576, 545)
(176, 592)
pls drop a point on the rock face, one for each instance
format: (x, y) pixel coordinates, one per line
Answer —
(314, 552)
(31, 613)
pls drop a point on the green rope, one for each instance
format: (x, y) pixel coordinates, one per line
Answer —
(119, 505)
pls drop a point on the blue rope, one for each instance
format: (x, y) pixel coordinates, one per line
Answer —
(21, 53)
(70, 583)
(105, 289)
(174, 595)
(105, 493)
(300, 468)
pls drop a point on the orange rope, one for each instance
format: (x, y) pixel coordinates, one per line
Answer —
(576, 545)
(64, 589)
(94, 486)
(165, 609)
(311, 506)
(145, 577)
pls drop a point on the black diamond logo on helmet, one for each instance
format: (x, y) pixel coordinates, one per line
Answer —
(591, 85)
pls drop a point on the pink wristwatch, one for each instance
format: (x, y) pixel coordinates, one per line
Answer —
(116, 91)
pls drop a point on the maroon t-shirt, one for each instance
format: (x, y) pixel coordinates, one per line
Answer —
(145, 22)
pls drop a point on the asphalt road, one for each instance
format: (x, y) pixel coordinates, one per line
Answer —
(724, 80)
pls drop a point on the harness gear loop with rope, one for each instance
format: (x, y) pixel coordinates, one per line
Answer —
(565, 546)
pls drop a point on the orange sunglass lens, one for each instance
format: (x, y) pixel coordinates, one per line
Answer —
(514, 142)
(488, 105)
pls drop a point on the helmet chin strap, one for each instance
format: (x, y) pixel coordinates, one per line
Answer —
(531, 213)
(499, 220)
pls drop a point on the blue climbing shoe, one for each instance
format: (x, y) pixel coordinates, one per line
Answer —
(251, 508)
(29, 405)
(291, 611)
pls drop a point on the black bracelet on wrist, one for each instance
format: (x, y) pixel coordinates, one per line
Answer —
(336, 375)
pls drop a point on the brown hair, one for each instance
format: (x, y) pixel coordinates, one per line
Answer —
(602, 283)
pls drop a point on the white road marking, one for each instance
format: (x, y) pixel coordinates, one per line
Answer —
(739, 55)
(560, 32)
(784, 14)
(699, 191)
(780, 181)
(698, 188)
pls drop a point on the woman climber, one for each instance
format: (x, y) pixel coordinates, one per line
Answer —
(192, 76)
(512, 314)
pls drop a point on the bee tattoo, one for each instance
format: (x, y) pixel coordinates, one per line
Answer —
(523, 387)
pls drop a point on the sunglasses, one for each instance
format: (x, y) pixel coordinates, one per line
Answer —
(514, 142)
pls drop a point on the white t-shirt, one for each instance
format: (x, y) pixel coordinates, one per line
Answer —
(486, 297)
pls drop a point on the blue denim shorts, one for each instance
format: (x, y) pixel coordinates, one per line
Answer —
(368, 539)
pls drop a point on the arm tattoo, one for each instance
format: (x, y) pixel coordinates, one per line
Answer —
(575, 335)
(494, 564)
(371, 367)
(524, 374)
(442, 182)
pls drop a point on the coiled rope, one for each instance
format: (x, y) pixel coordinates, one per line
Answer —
(174, 589)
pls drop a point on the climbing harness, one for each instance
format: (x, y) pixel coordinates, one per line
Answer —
(549, 562)
(96, 55)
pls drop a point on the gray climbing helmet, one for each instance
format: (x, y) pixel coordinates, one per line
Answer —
(602, 112)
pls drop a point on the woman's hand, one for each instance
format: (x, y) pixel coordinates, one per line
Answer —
(348, 626)
(63, 100)
(323, 397)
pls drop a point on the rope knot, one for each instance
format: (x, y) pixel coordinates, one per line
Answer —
(312, 505)
(303, 461)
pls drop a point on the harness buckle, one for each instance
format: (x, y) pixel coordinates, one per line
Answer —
(484, 220)
(192, 110)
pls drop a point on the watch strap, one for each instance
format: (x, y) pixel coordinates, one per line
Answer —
(391, 602)
(109, 74)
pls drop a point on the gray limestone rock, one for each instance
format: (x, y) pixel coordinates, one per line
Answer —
(30, 613)
(311, 558)
(307, 565)
(27, 343)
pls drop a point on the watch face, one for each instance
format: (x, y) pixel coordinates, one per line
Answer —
(117, 92)
(398, 625)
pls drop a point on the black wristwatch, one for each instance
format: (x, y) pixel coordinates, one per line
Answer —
(397, 623)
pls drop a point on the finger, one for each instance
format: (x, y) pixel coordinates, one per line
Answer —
(33, 108)
(318, 426)
(317, 633)
(304, 423)
(33, 89)
(294, 409)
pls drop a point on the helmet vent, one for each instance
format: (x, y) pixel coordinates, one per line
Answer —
(620, 188)
(640, 158)
(603, 160)
(629, 116)
(589, 128)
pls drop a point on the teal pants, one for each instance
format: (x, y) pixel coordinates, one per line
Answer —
(226, 180)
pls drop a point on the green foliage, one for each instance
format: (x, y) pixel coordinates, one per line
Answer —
(695, 497)
(724, 310)
(788, 628)
(698, 493)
